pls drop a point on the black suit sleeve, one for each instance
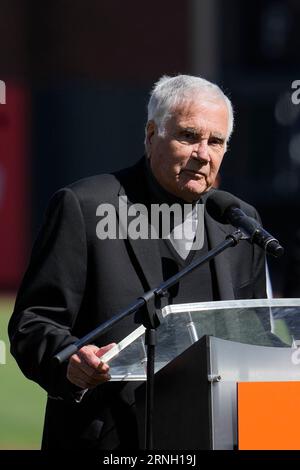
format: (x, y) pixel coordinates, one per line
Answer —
(292, 274)
(50, 295)
(258, 274)
(259, 268)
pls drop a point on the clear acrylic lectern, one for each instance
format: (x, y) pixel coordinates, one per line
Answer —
(203, 350)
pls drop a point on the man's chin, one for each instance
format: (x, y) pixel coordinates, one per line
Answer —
(191, 192)
(197, 188)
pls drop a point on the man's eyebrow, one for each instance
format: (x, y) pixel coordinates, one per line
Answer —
(197, 132)
(218, 135)
(193, 130)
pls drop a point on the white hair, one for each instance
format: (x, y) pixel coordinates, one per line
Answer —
(169, 92)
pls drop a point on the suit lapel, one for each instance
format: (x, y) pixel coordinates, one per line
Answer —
(146, 252)
(148, 256)
(216, 234)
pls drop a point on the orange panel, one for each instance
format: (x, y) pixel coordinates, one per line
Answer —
(268, 415)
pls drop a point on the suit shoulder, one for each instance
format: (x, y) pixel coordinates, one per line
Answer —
(97, 187)
(106, 186)
(248, 208)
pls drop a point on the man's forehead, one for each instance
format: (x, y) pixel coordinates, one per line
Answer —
(197, 117)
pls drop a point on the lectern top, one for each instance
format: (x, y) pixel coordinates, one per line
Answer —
(260, 322)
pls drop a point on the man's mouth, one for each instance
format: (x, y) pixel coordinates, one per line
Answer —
(198, 174)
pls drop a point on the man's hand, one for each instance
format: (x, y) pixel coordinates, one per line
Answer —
(85, 369)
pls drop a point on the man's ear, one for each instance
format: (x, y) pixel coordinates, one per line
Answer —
(151, 129)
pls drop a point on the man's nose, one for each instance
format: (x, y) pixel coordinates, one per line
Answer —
(201, 151)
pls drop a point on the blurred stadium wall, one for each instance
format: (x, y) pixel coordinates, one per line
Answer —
(78, 76)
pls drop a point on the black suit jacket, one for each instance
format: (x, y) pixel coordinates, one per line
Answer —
(75, 281)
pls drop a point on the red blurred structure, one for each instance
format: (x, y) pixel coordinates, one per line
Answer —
(14, 184)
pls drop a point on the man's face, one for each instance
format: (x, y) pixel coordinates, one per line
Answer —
(186, 159)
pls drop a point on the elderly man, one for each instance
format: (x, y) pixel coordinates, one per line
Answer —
(76, 280)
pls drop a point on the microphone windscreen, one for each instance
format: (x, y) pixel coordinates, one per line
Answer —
(218, 203)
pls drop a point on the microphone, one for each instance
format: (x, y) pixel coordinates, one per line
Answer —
(225, 208)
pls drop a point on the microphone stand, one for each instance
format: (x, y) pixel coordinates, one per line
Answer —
(148, 306)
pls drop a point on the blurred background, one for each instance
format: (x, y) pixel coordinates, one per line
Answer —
(76, 77)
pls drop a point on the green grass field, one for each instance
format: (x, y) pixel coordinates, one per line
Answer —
(22, 402)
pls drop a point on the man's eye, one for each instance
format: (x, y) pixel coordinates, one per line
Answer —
(216, 142)
(188, 135)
